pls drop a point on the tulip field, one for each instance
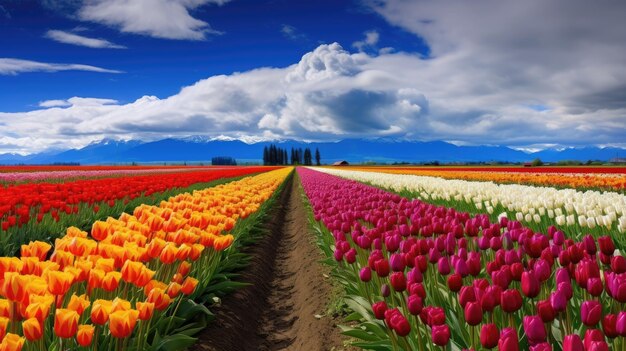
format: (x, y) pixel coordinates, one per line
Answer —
(140, 258)
(40, 210)
(431, 263)
(133, 282)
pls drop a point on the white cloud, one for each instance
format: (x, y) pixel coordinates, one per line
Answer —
(54, 103)
(475, 89)
(292, 33)
(10, 66)
(74, 39)
(167, 19)
(370, 40)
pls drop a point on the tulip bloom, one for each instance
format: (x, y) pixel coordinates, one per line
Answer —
(508, 340)
(84, 335)
(573, 343)
(534, 329)
(530, 285)
(440, 334)
(12, 342)
(379, 309)
(473, 313)
(146, 309)
(65, 323)
(122, 323)
(510, 300)
(489, 335)
(189, 285)
(591, 312)
(32, 329)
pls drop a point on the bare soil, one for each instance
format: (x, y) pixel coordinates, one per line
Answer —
(285, 306)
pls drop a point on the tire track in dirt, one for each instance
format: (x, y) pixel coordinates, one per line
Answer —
(281, 309)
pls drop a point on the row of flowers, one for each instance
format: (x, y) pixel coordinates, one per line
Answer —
(424, 276)
(582, 180)
(21, 177)
(577, 210)
(124, 284)
(33, 211)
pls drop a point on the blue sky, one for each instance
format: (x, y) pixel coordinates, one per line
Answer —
(254, 33)
(530, 75)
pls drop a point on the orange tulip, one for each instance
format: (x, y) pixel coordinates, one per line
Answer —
(4, 323)
(5, 308)
(14, 286)
(100, 230)
(183, 252)
(184, 268)
(111, 281)
(84, 336)
(32, 329)
(155, 247)
(63, 258)
(78, 303)
(189, 285)
(105, 264)
(59, 282)
(65, 323)
(131, 271)
(196, 251)
(37, 249)
(146, 309)
(100, 310)
(168, 254)
(122, 323)
(223, 242)
(173, 289)
(160, 299)
(119, 305)
(96, 276)
(144, 277)
(30, 266)
(38, 310)
(12, 342)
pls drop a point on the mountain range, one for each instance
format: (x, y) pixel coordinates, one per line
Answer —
(200, 149)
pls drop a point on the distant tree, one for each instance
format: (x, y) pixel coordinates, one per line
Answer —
(307, 157)
(317, 157)
(223, 161)
(537, 162)
(266, 156)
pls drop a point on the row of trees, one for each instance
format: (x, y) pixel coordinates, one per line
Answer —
(274, 155)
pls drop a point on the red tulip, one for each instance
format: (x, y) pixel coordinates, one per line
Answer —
(379, 309)
(440, 334)
(609, 324)
(530, 284)
(620, 323)
(598, 346)
(365, 274)
(606, 244)
(489, 335)
(510, 300)
(414, 304)
(508, 340)
(558, 301)
(545, 311)
(455, 282)
(592, 335)
(473, 313)
(382, 268)
(544, 346)
(590, 312)
(573, 342)
(534, 329)
(398, 281)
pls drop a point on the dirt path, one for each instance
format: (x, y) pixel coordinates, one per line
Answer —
(285, 307)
